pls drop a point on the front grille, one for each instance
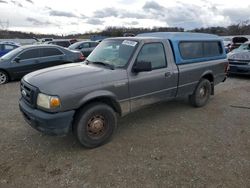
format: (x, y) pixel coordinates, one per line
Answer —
(28, 93)
(238, 62)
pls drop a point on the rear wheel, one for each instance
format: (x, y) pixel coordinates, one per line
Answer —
(201, 93)
(95, 125)
(3, 77)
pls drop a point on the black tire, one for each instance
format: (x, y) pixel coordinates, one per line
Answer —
(95, 124)
(201, 93)
(4, 78)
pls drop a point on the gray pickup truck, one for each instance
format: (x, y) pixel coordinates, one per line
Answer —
(120, 76)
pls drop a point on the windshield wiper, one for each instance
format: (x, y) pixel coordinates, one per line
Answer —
(112, 67)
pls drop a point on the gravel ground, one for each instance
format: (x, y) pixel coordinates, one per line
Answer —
(166, 145)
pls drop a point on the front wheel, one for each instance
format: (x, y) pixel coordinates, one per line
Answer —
(3, 77)
(201, 93)
(95, 125)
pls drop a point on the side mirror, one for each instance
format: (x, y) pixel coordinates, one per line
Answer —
(142, 66)
(17, 60)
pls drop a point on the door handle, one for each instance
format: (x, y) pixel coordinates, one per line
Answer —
(168, 74)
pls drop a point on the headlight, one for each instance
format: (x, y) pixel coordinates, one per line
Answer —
(48, 102)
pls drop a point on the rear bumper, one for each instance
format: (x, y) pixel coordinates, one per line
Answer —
(48, 123)
(239, 69)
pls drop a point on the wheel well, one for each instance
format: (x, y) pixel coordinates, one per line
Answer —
(6, 73)
(211, 80)
(106, 100)
(209, 77)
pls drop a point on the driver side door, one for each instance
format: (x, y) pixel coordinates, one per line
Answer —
(155, 85)
(26, 62)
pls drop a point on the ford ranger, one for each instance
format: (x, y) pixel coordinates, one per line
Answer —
(120, 76)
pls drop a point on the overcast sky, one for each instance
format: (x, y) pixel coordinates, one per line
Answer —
(79, 16)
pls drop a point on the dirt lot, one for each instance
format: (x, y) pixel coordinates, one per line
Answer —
(165, 145)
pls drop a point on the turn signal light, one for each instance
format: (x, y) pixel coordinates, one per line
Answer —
(54, 102)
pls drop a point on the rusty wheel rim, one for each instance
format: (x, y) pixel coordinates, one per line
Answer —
(96, 126)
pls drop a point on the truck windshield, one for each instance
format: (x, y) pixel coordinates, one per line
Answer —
(113, 52)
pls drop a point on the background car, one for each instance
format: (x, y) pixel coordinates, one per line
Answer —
(26, 59)
(62, 43)
(236, 42)
(72, 41)
(226, 42)
(86, 47)
(239, 60)
(6, 47)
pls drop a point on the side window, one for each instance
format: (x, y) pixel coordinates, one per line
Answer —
(9, 47)
(202, 49)
(29, 54)
(93, 44)
(212, 48)
(84, 45)
(1, 47)
(248, 47)
(191, 50)
(153, 53)
(50, 52)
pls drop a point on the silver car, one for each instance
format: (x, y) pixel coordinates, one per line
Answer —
(239, 60)
(86, 47)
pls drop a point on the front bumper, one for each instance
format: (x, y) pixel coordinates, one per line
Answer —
(48, 123)
(239, 69)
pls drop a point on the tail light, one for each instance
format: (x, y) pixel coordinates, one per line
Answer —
(82, 58)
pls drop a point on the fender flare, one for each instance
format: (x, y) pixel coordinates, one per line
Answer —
(210, 76)
(101, 95)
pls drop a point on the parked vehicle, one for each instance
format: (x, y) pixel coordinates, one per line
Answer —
(239, 60)
(26, 59)
(46, 39)
(62, 43)
(86, 47)
(236, 42)
(6, 47)
(120, 76)
(226, 42)
(72, 41)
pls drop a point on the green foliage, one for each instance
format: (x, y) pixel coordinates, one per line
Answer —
(4, 34)
(242, 28)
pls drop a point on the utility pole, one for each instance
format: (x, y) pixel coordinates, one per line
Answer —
(4, 25)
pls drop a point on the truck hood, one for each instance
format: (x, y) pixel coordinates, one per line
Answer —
(71, 77)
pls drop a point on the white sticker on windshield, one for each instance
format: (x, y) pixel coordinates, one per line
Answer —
(129, 43)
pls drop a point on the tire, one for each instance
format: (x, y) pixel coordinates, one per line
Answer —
(4, 78)
(201, 93)
(95, 125)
